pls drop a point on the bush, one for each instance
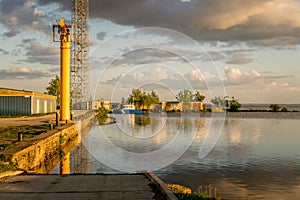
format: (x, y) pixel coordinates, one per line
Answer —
(102, 115)
(275, 107)
(185, 193)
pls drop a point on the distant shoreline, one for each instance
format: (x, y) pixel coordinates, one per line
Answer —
(242, 114)
(266, 107)
(264, 115)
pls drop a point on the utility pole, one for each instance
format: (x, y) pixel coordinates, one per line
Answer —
(65, 59)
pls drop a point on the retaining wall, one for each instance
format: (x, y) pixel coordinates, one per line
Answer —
(46, 150)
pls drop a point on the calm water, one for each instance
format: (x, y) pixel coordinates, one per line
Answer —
(252, 159)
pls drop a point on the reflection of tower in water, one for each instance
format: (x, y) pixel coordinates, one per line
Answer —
(79, 157)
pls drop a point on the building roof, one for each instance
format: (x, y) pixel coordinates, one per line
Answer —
(16, 92)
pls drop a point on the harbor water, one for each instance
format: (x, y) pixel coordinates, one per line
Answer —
(253, 158)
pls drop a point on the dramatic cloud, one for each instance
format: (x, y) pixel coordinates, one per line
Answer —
(3, 52)
(29, 40)
(36, 49)
(259, 22)
(21, 15)
(237, 57)
(145, 56)
(11, 33)
(101, 35)
(37, 53)
(23, 73)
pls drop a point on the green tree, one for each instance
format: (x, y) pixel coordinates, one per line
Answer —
(140, 98)
(234, 105)
(136, 98)
(275, 107)
(185, 96)
(198, 97)
(123, 100)
(220, 101)
(54, 88)
(154, 97)
(150, 99)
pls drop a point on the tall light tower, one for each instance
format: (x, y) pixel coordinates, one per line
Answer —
(80, 56)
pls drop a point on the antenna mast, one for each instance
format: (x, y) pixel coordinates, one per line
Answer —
(80, 56)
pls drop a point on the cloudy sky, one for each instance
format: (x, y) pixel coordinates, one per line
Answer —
(252, 47)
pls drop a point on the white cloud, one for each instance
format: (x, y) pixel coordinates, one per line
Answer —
(24, 73)
(254, 79)
(290, 87)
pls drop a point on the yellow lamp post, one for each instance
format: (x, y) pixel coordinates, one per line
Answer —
(65, 61)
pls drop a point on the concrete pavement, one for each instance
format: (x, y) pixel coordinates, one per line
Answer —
(96, 186)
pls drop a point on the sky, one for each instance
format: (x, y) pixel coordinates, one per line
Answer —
(246, 49)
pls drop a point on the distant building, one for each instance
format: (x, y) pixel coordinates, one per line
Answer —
(21, 102)
(85, 105)
(192, 107)
(173, 106)
(214, 108)
(101, 103)
(176, 106)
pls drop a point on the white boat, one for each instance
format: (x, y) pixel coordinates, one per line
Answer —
(130, 109)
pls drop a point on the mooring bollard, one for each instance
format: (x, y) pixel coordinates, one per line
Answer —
(56, 119)
(50, 127)
(20, 137)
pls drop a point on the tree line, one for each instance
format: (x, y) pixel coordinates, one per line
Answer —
(142, 99)
(145, 100)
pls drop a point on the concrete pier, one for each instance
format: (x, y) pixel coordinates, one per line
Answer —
(90, 186)
(18, 185)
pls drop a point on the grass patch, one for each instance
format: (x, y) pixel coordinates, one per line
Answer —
(184, 193)
(9, 135)
(6, 165)
(11, 132)
(5, 146)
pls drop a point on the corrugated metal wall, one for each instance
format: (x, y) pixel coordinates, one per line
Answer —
(20, 105)
(43, 105)
(15, 105)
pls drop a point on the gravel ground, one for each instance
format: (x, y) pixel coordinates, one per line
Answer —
(4, 122)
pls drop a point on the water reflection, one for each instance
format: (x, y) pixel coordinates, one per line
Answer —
(59, 156)
(65, 164)
(253, 158)
(142, 120)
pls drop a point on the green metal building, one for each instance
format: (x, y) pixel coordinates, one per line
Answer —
(21, 102)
